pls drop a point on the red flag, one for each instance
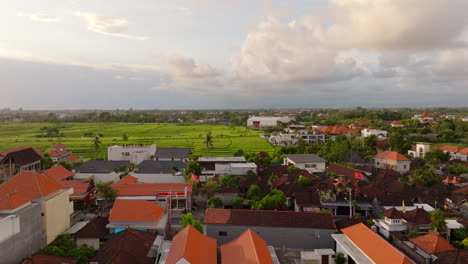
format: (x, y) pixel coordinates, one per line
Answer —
(358, 175)
(194, 177)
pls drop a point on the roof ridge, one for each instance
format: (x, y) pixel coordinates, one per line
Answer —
(251, 237)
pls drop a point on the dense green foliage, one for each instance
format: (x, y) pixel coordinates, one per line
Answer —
(215, 202)
(230, 180)
(237, 203)
(64, 246)
(187, 219)
(438, 224)
(211, 187)
(424, 176)
(272, 200)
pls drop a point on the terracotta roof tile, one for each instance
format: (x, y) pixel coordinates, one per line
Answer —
(391, 155)
(6, 152)
(396, 123)
(457, 256)
(393, 213)
(418, 216)
(58, 173)
(432, 243)
(29, 184)
(135, 211)
(448, 148)
(48, 259)
(150, 189)
(59, 146)
(217, 216)
(10, 201)
(248, 248)
(128, 179)
(375, 247)
(95, 228)
(193, 246)
(128, 246)
(79, 187)
(55, 153)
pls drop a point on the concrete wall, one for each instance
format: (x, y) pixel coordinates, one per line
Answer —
(134, 154)
(28, 240)
(92, 242)
(98, 177)
(9, 226)
(401, 166)
(158, 178)
(57, 210)
(319, 166)
(278, 237)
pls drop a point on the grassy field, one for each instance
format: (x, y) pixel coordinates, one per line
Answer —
(226, 139)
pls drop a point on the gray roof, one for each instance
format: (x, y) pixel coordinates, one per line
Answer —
(302, 158)
(177, 153)
(221, 159)
(159, 166)
(101, 166)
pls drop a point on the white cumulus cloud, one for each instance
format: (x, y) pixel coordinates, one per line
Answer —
(40, 17)
(102, 24)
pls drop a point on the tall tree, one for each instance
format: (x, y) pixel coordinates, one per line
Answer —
(187, 219)
(209, 140)
(438, 224)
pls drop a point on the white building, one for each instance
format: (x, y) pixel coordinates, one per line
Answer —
(309, 162)
(419, 149)
(267, 121)
(380, 134)
(392, 160)
(296, 129)
(134, 154)
(283, 140)
(219, 166)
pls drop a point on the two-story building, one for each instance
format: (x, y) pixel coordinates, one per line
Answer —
(309, 162)
(132, 153)
(392, 160)
(17, 160)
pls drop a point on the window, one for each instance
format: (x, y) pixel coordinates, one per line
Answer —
(311, 166)
(222, 233)
(404, 166)
(378, 163)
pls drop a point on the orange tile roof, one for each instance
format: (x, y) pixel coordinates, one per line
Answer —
(30, 184)
(396, 123)
(391, 155)
(10, 201)
(432, 243)
(59, 146)
(57, 153)
(217, 216)
(374, 246)
(149, 189)
(193, 246)
(337, 130)
(448, 148)
(128, 179)
(79, 187)
(58, 173)
(135, 211)
(463, 151)
(248, 248)
(73, 157)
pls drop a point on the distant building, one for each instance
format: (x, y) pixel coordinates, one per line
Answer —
(296, 129)
(17, 160)
(380, 134)
(133, 154)
(175, 154)
(160, 171)
(101, 170)
(309, 162)
(419, 150)
(397, 124)
(219, 166)
(266, 121)
(424, 118)
(392, 160)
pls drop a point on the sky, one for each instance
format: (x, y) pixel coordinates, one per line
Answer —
(205, 54)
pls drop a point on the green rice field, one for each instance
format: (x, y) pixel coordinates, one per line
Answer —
(226, 139)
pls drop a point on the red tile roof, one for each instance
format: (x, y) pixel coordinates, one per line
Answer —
(448, 148)
(73, 157)
(135, 211)
(418, 216)
(128, 179)
(269, 218)
(393, 213)
(391, 155)
(58, 173)
(463, 151)
(79, 187)
(192, 246)
(95, 228)
(432, 243)
(396, 123)
(59, 146)
(55, 153)
(10, 201)
(48, 259)
(150, 189)
(6, 152)
(337, 130)
(373, 246)
(27, 184)
(248, 248)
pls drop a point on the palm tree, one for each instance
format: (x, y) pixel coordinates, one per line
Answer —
(209, 140)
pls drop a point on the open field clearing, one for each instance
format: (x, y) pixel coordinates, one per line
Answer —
(226, 139)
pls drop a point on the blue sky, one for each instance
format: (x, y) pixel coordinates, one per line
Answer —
(143, 54)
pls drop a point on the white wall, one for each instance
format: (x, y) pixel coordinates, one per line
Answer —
(158, 178)
(9, 226)
(136, 154)
(98, 177)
